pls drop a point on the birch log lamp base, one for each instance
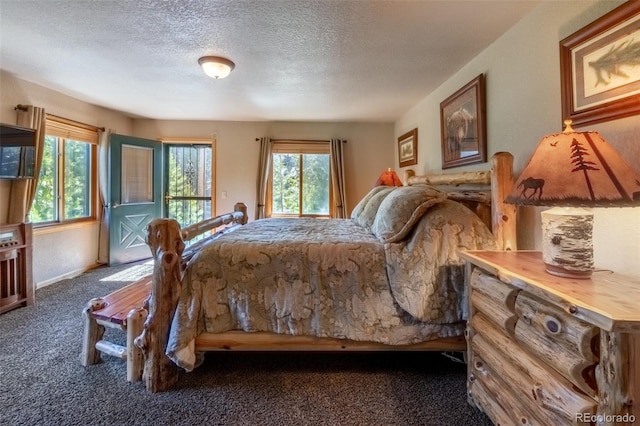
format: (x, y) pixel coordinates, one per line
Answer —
(573, 170)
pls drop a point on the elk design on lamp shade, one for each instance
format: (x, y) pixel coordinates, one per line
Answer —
(531, 183)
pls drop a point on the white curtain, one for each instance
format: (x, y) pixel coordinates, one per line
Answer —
(23, 191)
(264, 166)
(336, 151)
(103, 183)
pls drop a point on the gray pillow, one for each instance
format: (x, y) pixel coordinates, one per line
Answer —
(365, 211)
(401, 209)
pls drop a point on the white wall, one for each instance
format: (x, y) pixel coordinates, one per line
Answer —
(522, 71)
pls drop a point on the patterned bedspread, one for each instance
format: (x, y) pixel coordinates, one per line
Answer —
(328, 278)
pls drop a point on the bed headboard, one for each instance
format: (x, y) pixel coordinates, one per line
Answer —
(483, 192)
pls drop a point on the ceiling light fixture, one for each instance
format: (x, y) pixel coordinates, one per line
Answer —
(215, 66)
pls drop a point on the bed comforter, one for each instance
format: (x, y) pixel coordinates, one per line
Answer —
(331, 278)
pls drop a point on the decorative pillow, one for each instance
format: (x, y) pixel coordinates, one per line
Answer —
(365, 212)
(357, 210)
(402, 209)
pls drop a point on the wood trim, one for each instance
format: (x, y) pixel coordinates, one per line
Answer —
(263, 341)
(69, 129)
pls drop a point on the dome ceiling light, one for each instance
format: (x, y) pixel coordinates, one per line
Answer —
(216, 67)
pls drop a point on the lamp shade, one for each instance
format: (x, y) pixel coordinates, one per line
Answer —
(216, 67)
(388, 178)
(572, 170)
(576, 169)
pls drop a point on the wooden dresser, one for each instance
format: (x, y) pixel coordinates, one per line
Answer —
(16, 276)
(545, 350)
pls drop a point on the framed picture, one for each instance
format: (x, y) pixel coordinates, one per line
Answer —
(408, 148)
(463, 125)
(600, 68)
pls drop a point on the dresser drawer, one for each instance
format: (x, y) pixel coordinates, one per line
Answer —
(495, 299)
(547, 350)
(546, 396)
(568, 345)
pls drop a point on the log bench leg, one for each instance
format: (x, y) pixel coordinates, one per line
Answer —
(93, 332)
(135, 358)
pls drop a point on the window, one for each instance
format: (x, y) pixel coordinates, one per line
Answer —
(66, 188)
(300, 183)
(189, 179)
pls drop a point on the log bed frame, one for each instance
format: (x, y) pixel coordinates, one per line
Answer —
(484, 191)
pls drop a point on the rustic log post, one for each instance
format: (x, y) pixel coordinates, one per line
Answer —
(166, 244)
(135, 359)
(93, 332)
(242, 207)
(504, 215)
(614, 373)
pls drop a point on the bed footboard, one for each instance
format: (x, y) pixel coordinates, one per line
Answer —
(166, 241)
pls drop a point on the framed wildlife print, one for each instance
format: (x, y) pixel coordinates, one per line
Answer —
(463, 127)
(408, 148)
(600, 68)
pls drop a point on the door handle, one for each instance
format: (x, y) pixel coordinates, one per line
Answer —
(167, 198)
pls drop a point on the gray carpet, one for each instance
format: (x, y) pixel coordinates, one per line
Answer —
(43, 383)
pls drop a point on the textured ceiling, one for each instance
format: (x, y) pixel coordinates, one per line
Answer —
(296, 60)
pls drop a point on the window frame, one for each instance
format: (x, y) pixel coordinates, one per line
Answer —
(68, 130)
(300, 148)
(213, 142)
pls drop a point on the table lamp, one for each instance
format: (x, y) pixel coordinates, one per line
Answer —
(388, 178)
(573, 170)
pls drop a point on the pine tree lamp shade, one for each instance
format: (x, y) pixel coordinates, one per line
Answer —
(573, 170)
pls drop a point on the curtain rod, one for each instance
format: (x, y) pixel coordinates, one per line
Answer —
(21, 107)
(301, 140)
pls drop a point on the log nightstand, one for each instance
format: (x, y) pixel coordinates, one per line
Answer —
(549, 350)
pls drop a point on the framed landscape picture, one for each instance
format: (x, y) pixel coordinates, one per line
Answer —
(408, 148)
(600, 68)
(463, 125)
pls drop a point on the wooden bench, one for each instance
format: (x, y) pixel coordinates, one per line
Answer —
(123, 309)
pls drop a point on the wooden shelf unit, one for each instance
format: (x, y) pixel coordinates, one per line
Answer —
(549, 350)
(16, 272)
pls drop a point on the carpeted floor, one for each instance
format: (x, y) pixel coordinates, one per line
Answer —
(43, 383)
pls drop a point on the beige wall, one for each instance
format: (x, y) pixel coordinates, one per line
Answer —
(62, 251)
(367, 152)
(523, 104)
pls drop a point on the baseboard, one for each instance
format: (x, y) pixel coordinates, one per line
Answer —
(66, 276)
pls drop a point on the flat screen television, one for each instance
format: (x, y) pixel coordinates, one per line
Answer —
(17, 152)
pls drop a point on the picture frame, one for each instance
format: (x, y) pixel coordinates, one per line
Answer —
(463, 125)
(408, 148)
(599, 70)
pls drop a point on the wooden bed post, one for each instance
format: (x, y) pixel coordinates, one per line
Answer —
(503, 215)
(166, 244)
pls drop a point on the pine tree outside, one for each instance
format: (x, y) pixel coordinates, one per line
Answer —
(300, 184)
